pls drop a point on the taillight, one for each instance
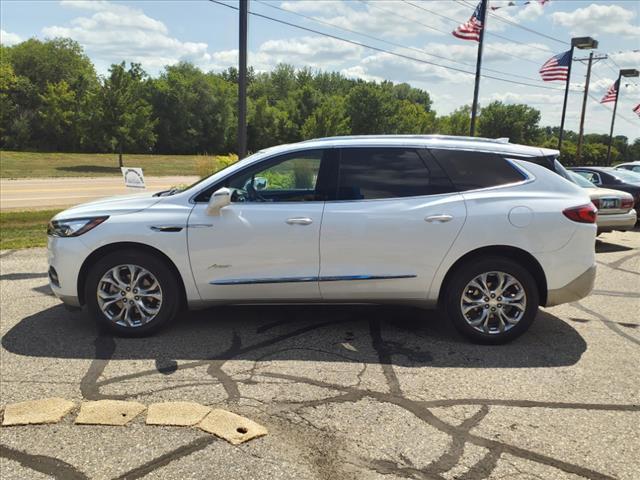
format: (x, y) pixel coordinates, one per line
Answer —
(627, 203)
(582, 214)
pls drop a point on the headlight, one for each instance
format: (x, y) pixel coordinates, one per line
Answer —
(74, 226)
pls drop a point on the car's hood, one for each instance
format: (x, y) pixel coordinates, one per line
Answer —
(117, 205)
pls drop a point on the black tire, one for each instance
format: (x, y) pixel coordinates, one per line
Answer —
(155, 265)
(465, 274)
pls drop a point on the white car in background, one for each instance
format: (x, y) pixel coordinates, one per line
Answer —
(632, 166)
(482, 228)
(615, 207)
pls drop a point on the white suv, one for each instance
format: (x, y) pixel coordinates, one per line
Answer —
(482, 228)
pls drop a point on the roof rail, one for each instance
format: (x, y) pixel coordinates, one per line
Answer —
(503, 140)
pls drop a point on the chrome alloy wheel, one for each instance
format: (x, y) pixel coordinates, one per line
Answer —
(129, 295)
(493, 302)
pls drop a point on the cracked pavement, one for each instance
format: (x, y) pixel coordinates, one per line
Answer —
(347, 392)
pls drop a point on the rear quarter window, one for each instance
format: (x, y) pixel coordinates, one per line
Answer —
(474, 170)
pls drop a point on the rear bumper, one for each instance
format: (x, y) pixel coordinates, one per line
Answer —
(617, 221)
(574, 290)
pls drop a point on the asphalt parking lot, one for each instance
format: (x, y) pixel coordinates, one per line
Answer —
(345, 392)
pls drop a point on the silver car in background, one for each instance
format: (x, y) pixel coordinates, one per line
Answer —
(615, 207)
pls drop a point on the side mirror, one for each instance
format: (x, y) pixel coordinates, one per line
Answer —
(260, 183)
(220, 198)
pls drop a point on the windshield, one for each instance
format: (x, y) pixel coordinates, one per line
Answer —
(198, 182)
(580, 180)
(626, 176)
(560, 170)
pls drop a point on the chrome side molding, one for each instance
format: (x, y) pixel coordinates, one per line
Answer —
(334, 278)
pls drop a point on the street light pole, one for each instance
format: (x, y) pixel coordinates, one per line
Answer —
(476, 89)
(242, 79)
(626, 72)
(582, 43)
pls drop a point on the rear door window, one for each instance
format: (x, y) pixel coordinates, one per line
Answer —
(473, 170)
(378, 173)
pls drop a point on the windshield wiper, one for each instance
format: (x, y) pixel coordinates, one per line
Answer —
(166, 193)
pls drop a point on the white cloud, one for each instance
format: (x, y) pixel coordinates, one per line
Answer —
(386, 18)
(596, 18)
(8, 38)
(628, 59)
(537, 99)
(115, 32)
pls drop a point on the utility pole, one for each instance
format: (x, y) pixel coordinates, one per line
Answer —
(625, 72)
(476, 89)
(589, 60)
(242, 79)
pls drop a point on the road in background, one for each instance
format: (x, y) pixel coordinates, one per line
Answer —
(346, 392)
(46, 193)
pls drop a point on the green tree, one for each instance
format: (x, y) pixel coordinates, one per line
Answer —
(126, 118)
(412, 118)
(329, 119)
(268, 125)
(519, 123)
(195, 111)
(57, 114)
(370, 108)
(457, 122)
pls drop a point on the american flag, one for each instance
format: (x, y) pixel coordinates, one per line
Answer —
(557, 67)
(612, 93)
(636, 109)
(471, 29)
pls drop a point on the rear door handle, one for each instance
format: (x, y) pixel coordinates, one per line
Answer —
(442, 218)
(299, 221)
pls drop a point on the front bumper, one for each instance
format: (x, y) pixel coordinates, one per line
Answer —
(574, 290)
(66, 256)
(617, 221)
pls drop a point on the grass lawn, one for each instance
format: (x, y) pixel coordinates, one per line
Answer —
(38, 165)
(24, 229)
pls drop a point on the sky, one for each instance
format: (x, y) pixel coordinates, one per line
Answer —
(519, 40)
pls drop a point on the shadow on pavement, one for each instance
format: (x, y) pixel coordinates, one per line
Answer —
(406, 337)
(605, 247)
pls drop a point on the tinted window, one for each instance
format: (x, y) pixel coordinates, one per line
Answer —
(373, 173)
(472, 170)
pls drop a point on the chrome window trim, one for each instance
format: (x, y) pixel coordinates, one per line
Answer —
(528, 176)
(327, 278)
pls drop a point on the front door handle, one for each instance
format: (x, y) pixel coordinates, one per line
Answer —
(299, 221)
(442, 218)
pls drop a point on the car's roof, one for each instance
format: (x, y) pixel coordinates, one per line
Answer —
(635, 162)
(499, 145)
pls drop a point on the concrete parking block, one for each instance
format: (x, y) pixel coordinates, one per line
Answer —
(233, 428)
(108, 412)
(180, 414)
(45, 410)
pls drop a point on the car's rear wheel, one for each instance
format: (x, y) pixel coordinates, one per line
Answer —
(132, 293)
(492, 300)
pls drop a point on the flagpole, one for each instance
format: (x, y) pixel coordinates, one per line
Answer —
(613, 118)
(474, 107)
(566, 96)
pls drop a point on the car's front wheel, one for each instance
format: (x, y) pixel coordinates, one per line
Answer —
(132, 293)
(492, 300)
